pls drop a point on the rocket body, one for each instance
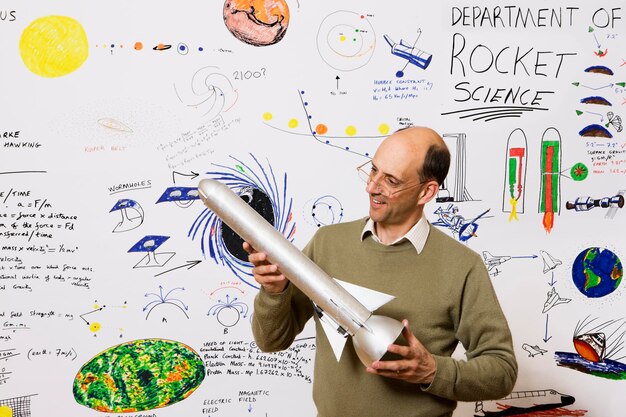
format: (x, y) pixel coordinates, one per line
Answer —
(370, 337)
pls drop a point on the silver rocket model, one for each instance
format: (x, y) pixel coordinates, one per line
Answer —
(371, 334)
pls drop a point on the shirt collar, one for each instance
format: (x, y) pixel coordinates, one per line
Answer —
(417, 235)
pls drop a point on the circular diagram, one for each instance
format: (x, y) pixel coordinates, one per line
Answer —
(257, 22)
(597, 272)
(346, 40)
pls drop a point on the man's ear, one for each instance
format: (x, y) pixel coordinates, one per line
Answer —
(428, 192)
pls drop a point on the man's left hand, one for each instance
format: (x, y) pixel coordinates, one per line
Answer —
(417, 366)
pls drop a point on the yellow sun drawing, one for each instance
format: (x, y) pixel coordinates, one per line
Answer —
(53, 46)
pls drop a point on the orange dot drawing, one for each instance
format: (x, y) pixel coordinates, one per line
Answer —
(321, 129)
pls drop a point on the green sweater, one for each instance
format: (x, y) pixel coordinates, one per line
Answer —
(446, 294)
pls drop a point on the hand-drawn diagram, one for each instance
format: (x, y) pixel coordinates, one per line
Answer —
(210, 93)
(586, 203)
(527, 403)
(453, 188)
(533, 350)
(349, 142)
(549, 261)
(94, 318)
(346, 40)
(183, 197)
(109, 102)
(148, 374)
(597, 272)
(460, 227)
(132, 215)
(153, 259)
(411, 54)
(492, 261)
(550, 196)
(228, 312)
(595, 130)
(16, 406)
(114, 125)
(54, 46)
(596, 349)
(257, 22)
(516, 157)
(259, 188)
(323, 211)
(553, 299)
(164, 300)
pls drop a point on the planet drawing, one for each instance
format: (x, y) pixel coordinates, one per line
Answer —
(597, 272)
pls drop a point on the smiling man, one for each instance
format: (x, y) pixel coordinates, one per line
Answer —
(443, 295)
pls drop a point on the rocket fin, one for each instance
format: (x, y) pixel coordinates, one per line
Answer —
(372, 300)
(336, 339)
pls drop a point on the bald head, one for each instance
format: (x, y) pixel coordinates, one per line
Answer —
(427, 150)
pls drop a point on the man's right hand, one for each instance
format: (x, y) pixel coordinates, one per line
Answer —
(265, 273)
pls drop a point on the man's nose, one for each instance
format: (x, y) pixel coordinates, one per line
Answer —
(373, 187)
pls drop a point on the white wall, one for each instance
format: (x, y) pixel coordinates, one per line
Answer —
(128, 124)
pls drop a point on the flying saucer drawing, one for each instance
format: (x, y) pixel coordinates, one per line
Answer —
(258, 186)
(149, 244)
(131, 212)
(346, 40)
(182, 196)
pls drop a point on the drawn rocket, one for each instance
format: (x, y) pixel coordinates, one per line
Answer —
(550, 197)
(515, 178)
(371, 334)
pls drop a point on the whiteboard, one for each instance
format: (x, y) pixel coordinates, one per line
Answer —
(111, 113)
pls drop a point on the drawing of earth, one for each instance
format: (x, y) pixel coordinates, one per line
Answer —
(597, 272)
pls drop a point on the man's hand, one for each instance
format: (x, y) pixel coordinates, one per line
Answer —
(265, 273)
(417, 365)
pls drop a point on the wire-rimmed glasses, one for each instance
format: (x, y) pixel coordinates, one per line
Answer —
(387, 185)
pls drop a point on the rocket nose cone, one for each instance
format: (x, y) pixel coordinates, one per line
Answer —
(371, 345)
(208, 188)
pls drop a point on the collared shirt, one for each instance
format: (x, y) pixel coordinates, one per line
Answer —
(417, 235)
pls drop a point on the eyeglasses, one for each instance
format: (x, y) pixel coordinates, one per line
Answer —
(387, 185)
